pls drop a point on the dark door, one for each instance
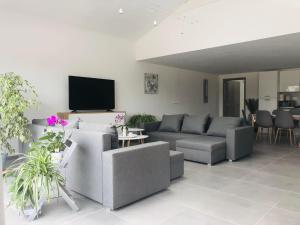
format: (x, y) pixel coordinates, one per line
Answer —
(233, 97)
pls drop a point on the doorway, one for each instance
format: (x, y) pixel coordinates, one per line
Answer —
(234, 92)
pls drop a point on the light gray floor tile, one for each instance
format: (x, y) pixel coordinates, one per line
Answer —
(150, 211)
(256, 192)
(280, 217)
(276, 181)
(290, 201)
(216, 204)
(193, 217)
(100, 217)
(284, 167)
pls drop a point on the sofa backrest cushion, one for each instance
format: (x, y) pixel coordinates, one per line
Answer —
(219, 126)
(171, 123)
(194, 124)
(71, 124)
(105, 128)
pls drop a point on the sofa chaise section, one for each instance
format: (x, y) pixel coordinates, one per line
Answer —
(203, 149)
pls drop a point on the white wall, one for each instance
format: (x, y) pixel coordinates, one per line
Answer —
(46, 53)
(251, 86)
(203, 24)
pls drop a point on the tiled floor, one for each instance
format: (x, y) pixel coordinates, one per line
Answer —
(261, 190)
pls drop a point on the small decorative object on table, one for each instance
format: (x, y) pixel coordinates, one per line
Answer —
(119, 123)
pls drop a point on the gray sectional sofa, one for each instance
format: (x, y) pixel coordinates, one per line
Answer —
(204, 139)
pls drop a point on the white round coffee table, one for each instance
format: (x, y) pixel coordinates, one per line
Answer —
(141, 138)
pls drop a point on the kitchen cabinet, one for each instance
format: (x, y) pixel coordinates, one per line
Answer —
(289, 81)
(268, 90)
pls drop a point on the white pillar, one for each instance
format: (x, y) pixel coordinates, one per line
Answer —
(2, 222)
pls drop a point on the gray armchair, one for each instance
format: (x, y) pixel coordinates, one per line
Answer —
(114, 178)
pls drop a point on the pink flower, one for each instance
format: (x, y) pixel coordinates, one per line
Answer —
(52, 120)
(63, 122)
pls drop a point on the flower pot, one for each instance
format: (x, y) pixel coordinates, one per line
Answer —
(3, 160)
(124, 131)
(57, 157)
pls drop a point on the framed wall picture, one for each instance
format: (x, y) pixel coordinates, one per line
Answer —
(205, 91)
(151, 83)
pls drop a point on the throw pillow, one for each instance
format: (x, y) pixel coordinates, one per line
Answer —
(171, 123)
(219, 126)
(194, 124)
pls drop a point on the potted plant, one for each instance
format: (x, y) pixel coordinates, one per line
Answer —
(36, 174)
(54, 140)
(252, 106)
(16, 96)
(34, 177)
(139, 120)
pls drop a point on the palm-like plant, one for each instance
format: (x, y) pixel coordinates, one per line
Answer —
(252, 105)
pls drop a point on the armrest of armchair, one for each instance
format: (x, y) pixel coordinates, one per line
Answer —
(132, 173)
(151, 127)
(239, 142)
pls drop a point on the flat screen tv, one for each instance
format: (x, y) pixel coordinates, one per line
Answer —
(91, 93)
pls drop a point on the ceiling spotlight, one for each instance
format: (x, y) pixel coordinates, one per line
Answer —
(121, 11)
(154, 22)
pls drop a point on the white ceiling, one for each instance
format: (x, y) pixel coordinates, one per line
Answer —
(99, 15)
(280, 52)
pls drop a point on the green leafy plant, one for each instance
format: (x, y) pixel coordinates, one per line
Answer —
(139, 119)
(16, 96)
(52, 141)
(252, 105)
(35, 176)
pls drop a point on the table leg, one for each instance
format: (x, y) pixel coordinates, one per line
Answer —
(123, 143)
(142, 141)
(128, 143)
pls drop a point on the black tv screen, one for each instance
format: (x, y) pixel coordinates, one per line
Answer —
(91, 93)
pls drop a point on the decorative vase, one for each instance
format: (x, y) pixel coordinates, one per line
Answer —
(57, 157)
(124, 131)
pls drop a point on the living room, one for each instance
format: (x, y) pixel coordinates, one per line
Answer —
(174, 62)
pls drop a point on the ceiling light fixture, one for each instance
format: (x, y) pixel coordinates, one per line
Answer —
(121, 11)
(154, 22)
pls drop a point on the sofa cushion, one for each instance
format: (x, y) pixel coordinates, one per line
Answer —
(219, 126)
(203, 143)
(194, 124)
(170, 137)
(171, 123)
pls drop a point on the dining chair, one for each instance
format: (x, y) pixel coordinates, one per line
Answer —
(264, 120)
(274, 112)
(295, 112)
(284, 121)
